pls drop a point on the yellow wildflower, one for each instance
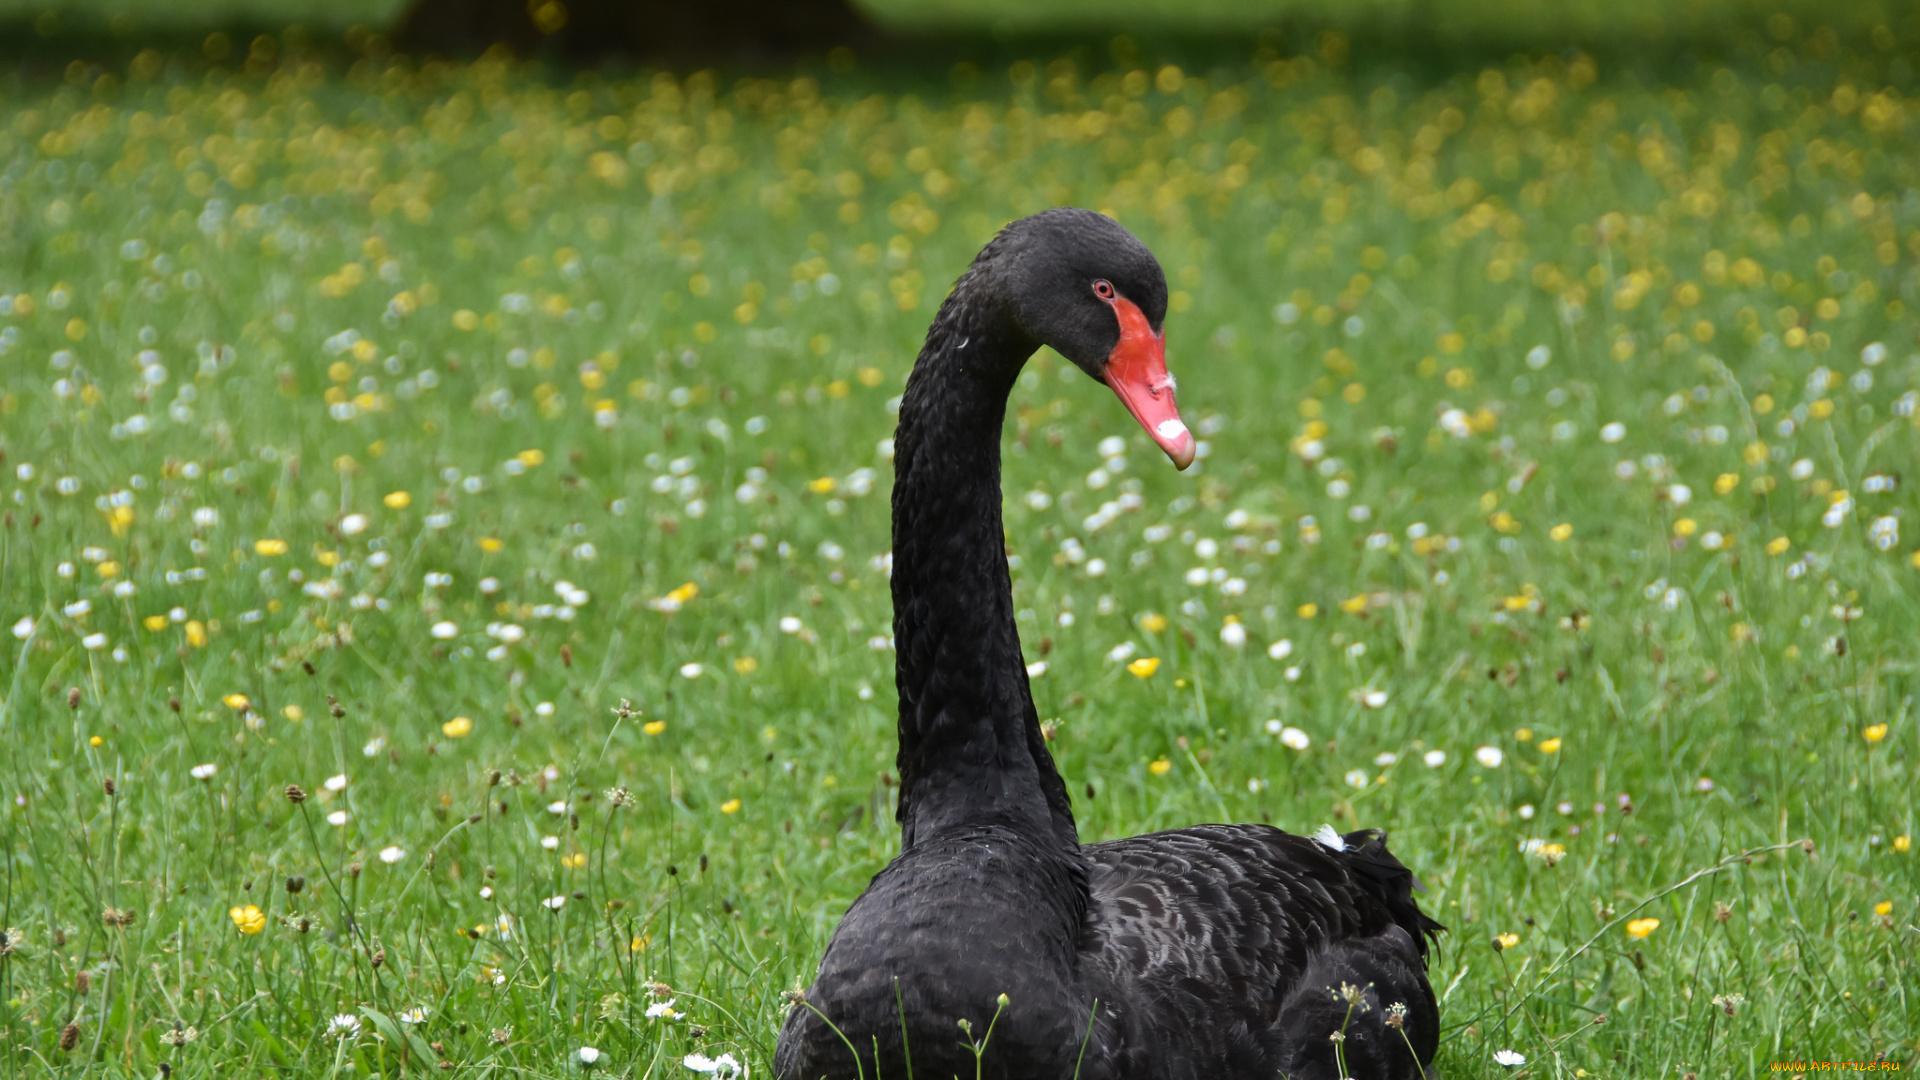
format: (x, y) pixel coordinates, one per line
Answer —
(730, 806)
(1506, 941)
(270, 548)
(1561, 531)
(457, 728)
(1778, 545)
(1160, 767)
(398, 500)
(1550, 746)
(248, 920)
(1307, 610)
(1638, 929)
(1875, 732)
(1144, 667)
(654, 727)
(237, 702)
(1153, 622)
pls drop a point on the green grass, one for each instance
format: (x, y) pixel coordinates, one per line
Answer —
(1426, 295)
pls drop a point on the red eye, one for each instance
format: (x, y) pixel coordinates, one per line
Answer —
(1103, 289)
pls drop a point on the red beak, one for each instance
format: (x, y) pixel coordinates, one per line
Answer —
(1137, 371)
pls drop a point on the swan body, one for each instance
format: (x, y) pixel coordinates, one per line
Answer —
(1218, 951)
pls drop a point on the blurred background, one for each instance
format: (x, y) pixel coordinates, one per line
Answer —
(1424, 29)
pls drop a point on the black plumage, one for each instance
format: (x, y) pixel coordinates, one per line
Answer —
(1218, 951)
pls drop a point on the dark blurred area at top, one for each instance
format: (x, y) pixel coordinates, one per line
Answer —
(42, 36)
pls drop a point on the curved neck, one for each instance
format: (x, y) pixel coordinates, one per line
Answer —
(971, 752)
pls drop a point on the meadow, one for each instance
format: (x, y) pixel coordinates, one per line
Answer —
(445, 513)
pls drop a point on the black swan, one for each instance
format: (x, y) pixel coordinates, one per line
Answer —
(1219, 951)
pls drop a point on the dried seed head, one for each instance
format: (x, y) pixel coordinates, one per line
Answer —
(335, 708)
(82, 981)
(1722, 911)
(353, 868)
(73, 697)
(295, 794)
(107, 785)
(70, 1035)
(379, 957)
(296, 883)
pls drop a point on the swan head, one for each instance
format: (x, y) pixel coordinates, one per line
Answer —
(1079, 282)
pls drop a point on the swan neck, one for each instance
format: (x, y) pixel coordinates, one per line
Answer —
(971, 751)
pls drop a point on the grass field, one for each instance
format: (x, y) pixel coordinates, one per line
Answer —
(381, 429)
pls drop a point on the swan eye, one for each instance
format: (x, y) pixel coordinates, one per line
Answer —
(1104, 289)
